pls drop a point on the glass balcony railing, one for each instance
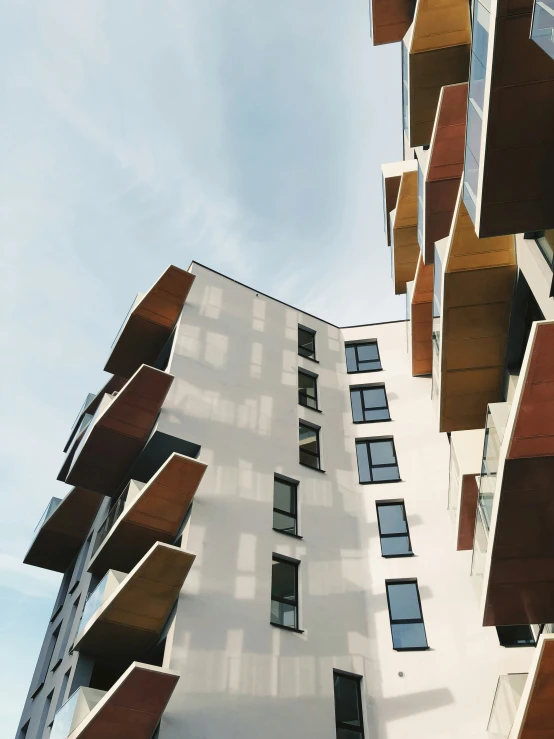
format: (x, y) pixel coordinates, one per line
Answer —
(497, 419)
(405, 90)
(542, 27)
(94, 601)
(420, 205)
(50, 508)
(505, 704)
(74, 711)
(545, 242)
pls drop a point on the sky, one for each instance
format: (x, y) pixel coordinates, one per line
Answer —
(246, 135)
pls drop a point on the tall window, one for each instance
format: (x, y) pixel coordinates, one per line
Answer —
(307, 389)
(306, 342)
(363, 357)
(393, 529)
(309, 446)
(284, 592)
(406, 618)
(284, 506)
(377, 460)
(369, 403)
(348, 706)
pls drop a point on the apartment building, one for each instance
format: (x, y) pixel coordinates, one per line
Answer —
(469, 217)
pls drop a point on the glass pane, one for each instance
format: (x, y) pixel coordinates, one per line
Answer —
(515, 636)
(307, 383)
(408, 636)
(367, 352)
(309, 459)
(374, 397)
(347, 734)
(306, 343)
(395, 545)
(403, 600)
(284, 495)
(385, 474)
(392, 519)
(347, 702)
(357, 412)
(285, 523)
(308, 438)
(351, 364)
(363, 462)
(382, 452)
(283, 613)
(369, 366)
(380, 415)
(283, 580)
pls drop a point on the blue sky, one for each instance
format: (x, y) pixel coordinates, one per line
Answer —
(245, 134)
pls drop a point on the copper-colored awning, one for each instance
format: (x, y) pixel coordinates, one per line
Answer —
(133, 616)
(118, 432)
(133, 707)
(519, 584)
(390, 19)
(61, 536)
(150, 323)
(421, 327)
(392, 175)
(534, 717)
(154, 515)
(405, 245)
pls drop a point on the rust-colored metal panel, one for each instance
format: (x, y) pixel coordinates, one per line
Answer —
(391, 187)
(405, 246)
(468, 511)
(422, 320)
(390, 19)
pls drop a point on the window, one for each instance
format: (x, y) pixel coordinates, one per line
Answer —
(377, 460)
(284, 506)
(348, 706)
(307, 389)
(516, 636)
(363, 357)
(393, 529)
(369, 403)
(24, 729)
(306, 342)
(406, 618)
(284, 592)
(309, 445)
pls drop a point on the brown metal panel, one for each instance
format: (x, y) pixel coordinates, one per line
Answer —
(468, 511)
(422, 320)
(390, 19)
(405, 245)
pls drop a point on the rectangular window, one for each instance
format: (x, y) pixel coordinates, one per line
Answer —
(369, 403)
(377, 460)
(309, 446)
(393, 529)
(307, 389)
(284, 506)
(306, 342)
(516, 636)
(348, 706)
(406, 618)
(284, 592)
(363, 357)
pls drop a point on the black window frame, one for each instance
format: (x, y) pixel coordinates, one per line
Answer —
(283, 559)
(317, 455)
(366, 441)
(383, 504)
(360, 389)
(357, 679)
(293, 484)
(302, 394)
(356, 344)
(313, 332)
(406, 581)
(504, 640)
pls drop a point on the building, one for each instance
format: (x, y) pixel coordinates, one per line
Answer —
(469, 219)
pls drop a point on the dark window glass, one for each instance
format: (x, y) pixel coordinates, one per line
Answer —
(377, 460)
(363, 357)
(309, 446)
(516, 636)
(307, 389)
(393, 530)
(284, 506)
(406, 618)
(284, 593)
(369, 404)
(306, 343)
(348, 706)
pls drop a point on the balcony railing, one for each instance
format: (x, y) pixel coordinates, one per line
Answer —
(93, 603)
(50, 508)
(506, 702)
(74, 711)
(542, 28)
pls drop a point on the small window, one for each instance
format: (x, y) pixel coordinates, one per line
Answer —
(516, 636)
(284, 592)
(306, 342)
(309, 446)
(307, 389)
(348, 706)
(377, 460)
(284, 506)
(393, 529)
(369, 403)
(406, 618)
(363, 357)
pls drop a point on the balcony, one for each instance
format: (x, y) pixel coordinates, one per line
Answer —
(89, 408)
(421, 320)
(392, 175)
(542, 25)
(508, 185)
(405, 247)
(466, 452)
(476, 298)
(150, 323)
(145, 514)
(390, 19)
(62, 530)
(519, 567)
(118, 432)
(505, 704)
(436, 53)
(125, 615)
(133, 707)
